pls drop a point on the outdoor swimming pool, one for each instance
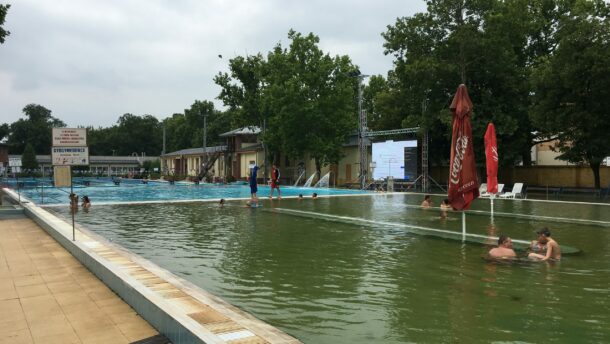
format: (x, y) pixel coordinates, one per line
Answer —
(336, 278)
(105, 191)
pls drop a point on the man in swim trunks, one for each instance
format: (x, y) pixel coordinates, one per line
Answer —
(504, 249)
(553, 251)
(275, 181)
(253, 184)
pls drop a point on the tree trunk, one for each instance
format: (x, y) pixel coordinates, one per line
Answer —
(318, 169)
(595, 167)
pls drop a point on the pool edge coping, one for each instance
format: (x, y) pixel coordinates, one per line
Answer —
(166, 316)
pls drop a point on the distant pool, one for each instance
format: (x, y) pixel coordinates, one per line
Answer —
(104, 191)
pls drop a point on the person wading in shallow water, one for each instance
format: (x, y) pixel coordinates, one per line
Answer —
(275, 182)
(86, 202)
(545, 247)
(253, 184)
(504, 249)
(427, 202)
(445, 206)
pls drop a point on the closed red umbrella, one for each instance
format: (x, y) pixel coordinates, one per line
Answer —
(491, 159)
(463, 184)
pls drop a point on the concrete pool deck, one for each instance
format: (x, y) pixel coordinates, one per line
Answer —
(178, 309)
(47, 296)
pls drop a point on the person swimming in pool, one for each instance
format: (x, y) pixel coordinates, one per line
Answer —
(314, 196)
(504, 249)
(545, 247)
(427, 202)
(222, 202)
(86, 202)
(445, 207)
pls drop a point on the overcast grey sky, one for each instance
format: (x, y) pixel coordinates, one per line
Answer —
(92, 61)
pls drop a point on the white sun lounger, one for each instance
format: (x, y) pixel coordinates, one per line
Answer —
(484, 193)
(516, 192)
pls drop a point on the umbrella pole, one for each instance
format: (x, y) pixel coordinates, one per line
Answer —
(463, 225)
(492, 206)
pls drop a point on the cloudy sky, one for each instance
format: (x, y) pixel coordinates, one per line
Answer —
(92, 61)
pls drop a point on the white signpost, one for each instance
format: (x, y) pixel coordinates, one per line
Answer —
(69, 137)
(70, 149)
(70, 156)
(14, 162)
(15, 165)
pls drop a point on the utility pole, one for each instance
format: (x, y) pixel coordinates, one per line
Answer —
(204, 156)
(205, 135)
(425, 184)
(163, 152)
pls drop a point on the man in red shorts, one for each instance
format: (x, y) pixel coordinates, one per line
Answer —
(275, 181)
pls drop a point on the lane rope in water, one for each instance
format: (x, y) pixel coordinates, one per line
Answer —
(525, 216)
(447, 234)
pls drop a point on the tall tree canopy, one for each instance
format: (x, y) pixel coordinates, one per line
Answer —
(186, 130)
(131, 134)
(304, 97)
(571, 85)
(28, 159)
(481, 43)
(3, 33)
(35, 129)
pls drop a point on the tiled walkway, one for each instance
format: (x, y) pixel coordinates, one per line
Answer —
(47, 296)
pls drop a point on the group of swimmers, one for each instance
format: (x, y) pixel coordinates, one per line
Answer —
(542, 249)
(254, 204)
(86, 203)
(445, 205)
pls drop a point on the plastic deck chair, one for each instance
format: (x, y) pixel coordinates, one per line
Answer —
(483, 191)
(517, 191)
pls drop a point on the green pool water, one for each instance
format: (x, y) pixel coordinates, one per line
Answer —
(331, 280)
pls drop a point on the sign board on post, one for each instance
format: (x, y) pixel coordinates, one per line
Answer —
(70, 156)
(69, 137)
(14, 162)
(61, 176)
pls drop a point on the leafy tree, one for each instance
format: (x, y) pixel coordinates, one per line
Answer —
(34, 129)
(310, 98)
(303, 96)
(571, 86)
(4, 130)
(481, 43)
(186, 130)
(242, 89)
(28, 159)
(137, 134)
(150, 165)
(3, 33)
(101, 141)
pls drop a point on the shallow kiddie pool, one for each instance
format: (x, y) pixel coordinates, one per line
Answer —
(349, 276)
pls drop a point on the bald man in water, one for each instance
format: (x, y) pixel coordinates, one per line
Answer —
(504, 249)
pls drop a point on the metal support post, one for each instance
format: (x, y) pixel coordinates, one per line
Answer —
(463, 225)
(362, 134)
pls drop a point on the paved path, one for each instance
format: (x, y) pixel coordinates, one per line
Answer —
(47, 296)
